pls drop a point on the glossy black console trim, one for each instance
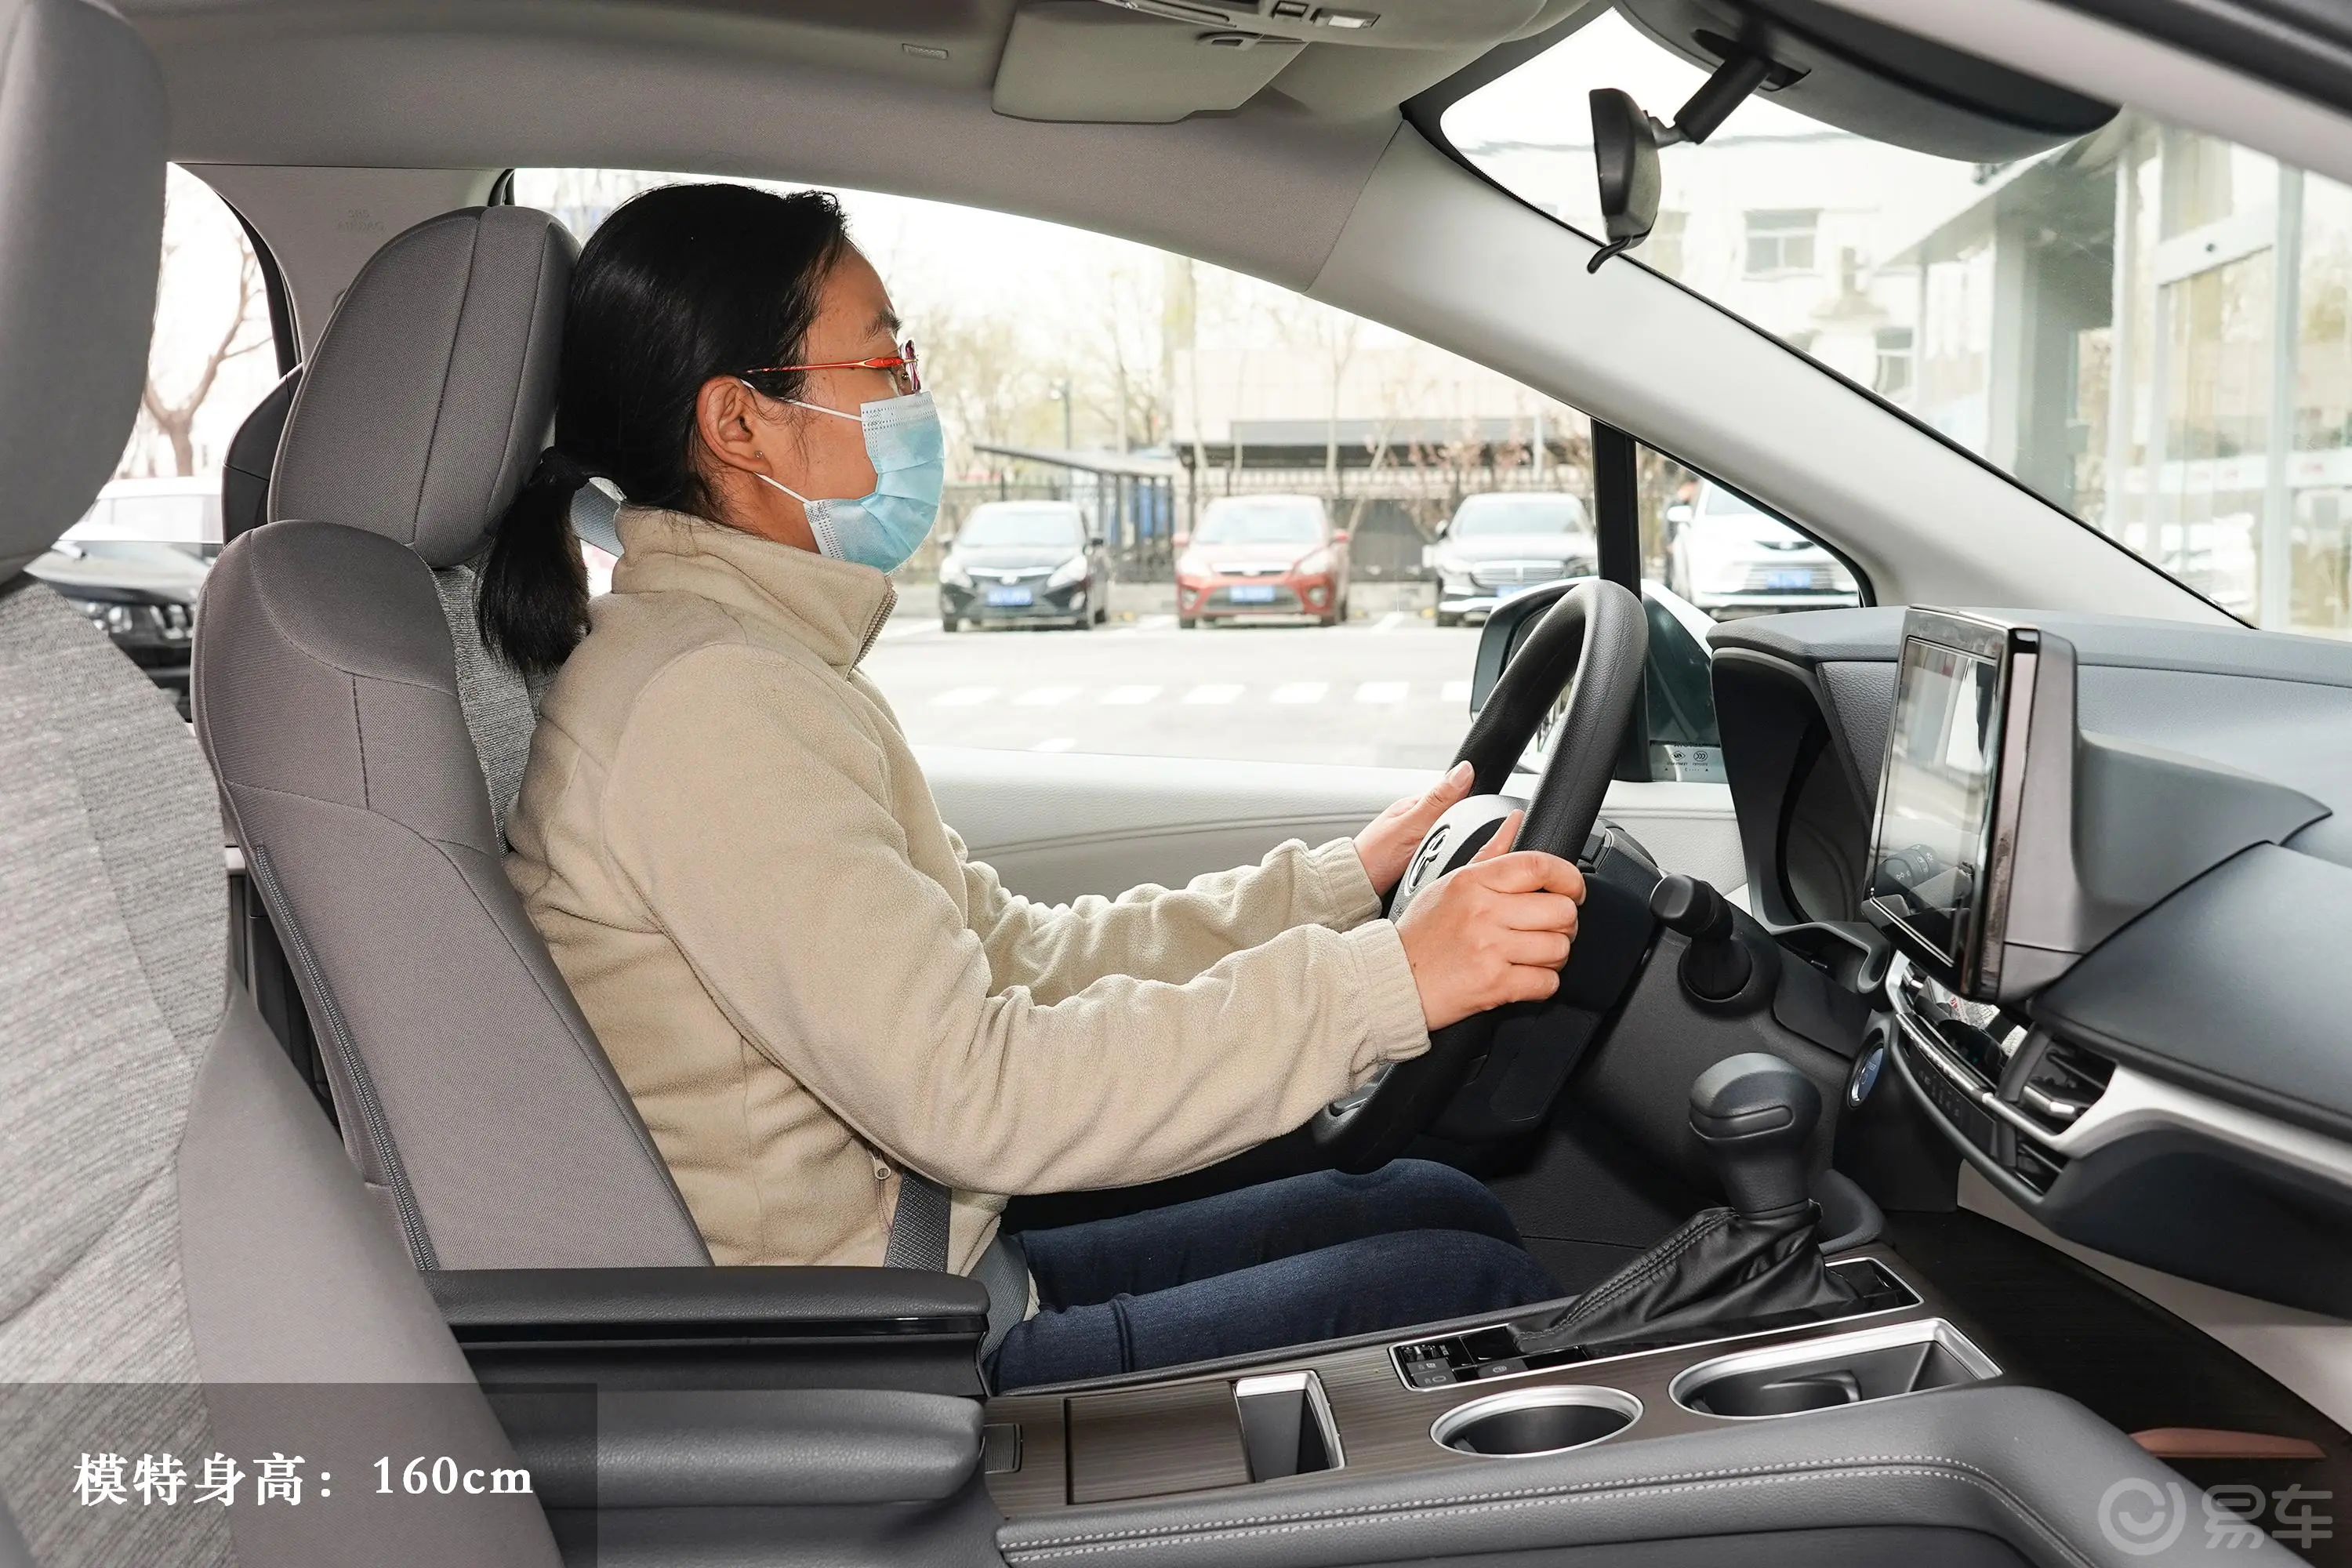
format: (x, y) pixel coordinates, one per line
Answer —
(648, 1306)
(1911, 1299)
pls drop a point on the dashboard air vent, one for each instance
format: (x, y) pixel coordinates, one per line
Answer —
(2065, 1082)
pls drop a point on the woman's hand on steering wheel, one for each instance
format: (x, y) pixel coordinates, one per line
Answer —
(1505, 921)
(1386, 845)
(1495, 930)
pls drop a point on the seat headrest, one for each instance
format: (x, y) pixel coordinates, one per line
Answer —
(433, 388)
(81, 230)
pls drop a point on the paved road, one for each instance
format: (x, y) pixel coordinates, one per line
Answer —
(1394, 692)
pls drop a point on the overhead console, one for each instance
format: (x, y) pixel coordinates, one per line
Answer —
(2113, 862)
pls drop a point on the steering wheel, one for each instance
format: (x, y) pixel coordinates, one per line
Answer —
(1593, 641)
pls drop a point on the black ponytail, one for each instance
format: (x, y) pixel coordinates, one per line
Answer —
(532, 606)
(679, 285)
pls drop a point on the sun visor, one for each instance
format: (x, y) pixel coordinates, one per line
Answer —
(1156, 61)
(1867, 77)
(1083, 60)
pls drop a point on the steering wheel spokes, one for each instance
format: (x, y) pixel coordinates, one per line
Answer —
(1465, 828)
(1595, 642)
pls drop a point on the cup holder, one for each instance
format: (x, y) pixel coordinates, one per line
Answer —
(1843, 1369)
(1536, 1421)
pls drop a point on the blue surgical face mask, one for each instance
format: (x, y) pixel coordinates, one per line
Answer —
(909, 456)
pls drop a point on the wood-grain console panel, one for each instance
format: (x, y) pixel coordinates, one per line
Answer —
(1181, 1437)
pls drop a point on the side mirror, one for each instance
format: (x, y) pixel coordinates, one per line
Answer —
(1506, 623)
(1095, 541)
(1680, 512)
(1338, 536)
(1625, 165)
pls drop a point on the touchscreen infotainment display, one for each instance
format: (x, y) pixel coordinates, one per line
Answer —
(1934, 804)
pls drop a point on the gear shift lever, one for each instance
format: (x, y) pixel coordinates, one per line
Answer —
(1757, 1261)
(1756, 1115)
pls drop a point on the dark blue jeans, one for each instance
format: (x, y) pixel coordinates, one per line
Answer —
(1291, 1262)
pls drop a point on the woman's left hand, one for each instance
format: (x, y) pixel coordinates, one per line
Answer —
(1387, 843)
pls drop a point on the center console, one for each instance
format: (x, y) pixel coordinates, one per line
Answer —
(1735, 1317)
(1460, 1397)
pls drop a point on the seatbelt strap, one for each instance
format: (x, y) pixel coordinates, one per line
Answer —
(918, 1230)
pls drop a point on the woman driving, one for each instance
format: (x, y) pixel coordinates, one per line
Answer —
(842, 1032)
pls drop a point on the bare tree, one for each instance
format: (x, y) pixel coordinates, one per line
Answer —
(984, 380)
(176, 420)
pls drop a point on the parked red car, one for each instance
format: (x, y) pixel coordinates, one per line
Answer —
(1270, 555)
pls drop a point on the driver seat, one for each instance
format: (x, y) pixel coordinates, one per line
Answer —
(356, 726)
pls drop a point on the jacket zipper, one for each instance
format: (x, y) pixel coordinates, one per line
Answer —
(881, 620)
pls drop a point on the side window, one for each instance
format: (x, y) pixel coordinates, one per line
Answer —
(1708, 554)
(1188, 512)
(135, 563)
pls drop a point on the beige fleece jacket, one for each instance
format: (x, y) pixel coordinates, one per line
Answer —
(805, 984)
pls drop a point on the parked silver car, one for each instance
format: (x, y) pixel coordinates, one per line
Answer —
(1500, 543)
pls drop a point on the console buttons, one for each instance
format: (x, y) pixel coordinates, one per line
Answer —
(1427, 1373)
(1427, 1365)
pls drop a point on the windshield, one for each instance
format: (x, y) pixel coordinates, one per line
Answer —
(1026, 527)
(2149, 327)
(1497, 517)
(1271, 519)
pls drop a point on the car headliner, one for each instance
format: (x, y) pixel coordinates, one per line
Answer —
(822, 91)
(1343, 200)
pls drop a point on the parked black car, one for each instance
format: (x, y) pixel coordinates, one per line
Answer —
(140, 593)
(1025, 562)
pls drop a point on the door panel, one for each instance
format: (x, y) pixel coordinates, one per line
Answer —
(1057, 826)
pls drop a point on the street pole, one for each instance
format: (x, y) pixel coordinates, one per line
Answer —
(2275, 560)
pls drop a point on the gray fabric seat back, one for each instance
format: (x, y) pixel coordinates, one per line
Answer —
(179, 1234)
(332, 697)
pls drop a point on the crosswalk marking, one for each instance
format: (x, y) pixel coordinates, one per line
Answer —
(1129, 696)
(1301, 692)
(1381, 691)
(1212, 694)
(1044, 697)
(964, 696)
(1456, 691)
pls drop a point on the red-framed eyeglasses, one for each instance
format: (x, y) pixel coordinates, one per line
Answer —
(904, 371)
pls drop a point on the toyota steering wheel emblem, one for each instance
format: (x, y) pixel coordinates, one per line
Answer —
(1431, 853)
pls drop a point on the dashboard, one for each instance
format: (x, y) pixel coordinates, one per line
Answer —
(2113, 861)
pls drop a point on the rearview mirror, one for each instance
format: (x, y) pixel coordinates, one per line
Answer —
(1625, 165)
(1626, 143)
